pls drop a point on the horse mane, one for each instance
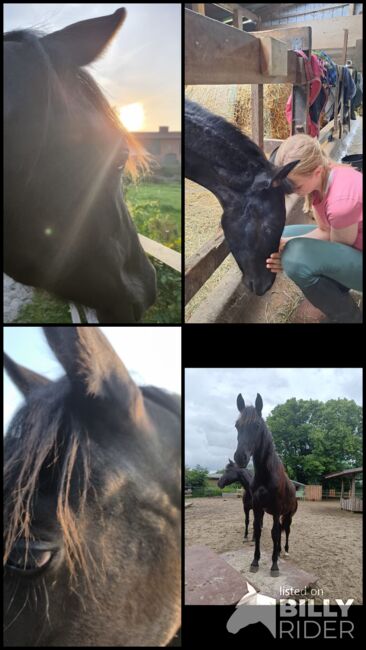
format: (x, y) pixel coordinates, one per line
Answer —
(169, 401)
(139, 160)
(226, 138)
(45, 442)
(266, 446)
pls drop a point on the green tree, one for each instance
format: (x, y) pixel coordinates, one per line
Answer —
(314, 438)
(196, 478)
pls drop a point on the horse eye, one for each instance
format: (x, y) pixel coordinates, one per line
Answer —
(28, 562)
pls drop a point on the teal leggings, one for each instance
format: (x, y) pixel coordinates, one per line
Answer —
(304, 260)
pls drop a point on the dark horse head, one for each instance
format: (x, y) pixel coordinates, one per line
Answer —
(233, 473)
(250, 427)
(67, 226)
(250, 189)
(92, 503)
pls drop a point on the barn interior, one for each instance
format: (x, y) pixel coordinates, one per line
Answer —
(246, 75)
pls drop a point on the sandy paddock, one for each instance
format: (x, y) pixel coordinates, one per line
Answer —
(324, 540)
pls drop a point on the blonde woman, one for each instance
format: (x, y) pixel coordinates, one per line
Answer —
(324, 259)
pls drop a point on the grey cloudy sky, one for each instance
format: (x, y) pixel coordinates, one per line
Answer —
(152, 355)
(210, 402)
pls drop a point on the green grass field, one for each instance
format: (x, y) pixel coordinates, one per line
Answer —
(156, 211)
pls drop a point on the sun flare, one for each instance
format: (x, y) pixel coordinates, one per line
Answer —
(132, 116)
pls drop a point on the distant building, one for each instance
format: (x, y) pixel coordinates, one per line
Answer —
(164, 145)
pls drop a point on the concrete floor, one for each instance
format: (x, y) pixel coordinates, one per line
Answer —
(291, 582)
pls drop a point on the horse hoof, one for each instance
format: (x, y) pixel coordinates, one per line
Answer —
(275, 574)
(253, 569)
(287, 554)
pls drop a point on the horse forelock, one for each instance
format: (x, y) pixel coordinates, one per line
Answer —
(248, 416)
(45, 444)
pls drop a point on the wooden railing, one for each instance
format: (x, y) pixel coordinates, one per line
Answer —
(155, 249)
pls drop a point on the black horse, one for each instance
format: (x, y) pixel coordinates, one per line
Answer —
(235, 474)
(272, 490)
(67, 228)
(250, 189)
(92, 503)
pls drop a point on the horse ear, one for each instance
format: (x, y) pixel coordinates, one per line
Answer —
(279, 175)
(92, 365)
(83, 42)
(259, 404)
(262, 181)
(231, 462)
(24, 379)
(240, 403)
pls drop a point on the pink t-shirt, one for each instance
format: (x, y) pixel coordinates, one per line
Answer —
(342, 204)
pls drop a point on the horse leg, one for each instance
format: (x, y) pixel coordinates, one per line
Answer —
(282, 527)
(276, 534)
(287, 529)
(257, 535)
(261, 517)
(246, 512)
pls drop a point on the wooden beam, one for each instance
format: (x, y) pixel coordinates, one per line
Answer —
(218, 54)
(163, 253)
(199, 7)
(328, 34)
(238, 18)
(232, 7)
(257, 114)
(273, 55)
(357, 56)
(296, 38)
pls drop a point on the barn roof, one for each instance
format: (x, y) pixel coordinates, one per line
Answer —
(346, 472)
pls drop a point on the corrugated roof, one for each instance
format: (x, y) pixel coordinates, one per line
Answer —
(356, 470)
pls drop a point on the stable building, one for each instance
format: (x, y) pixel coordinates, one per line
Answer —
(164, 145)
(352, 502)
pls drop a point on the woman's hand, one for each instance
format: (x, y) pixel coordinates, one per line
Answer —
(274, 261)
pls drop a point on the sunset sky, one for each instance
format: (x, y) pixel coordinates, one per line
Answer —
(140, 72)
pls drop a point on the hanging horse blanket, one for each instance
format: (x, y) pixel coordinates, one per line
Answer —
(315, 73)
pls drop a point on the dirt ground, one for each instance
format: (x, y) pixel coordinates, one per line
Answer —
(324, 540)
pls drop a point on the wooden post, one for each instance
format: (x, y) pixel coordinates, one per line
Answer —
(257, 114)
(238, 18)
(199, 8)
(300, 100)
(344, 59)
(353, 492)
(336, 97)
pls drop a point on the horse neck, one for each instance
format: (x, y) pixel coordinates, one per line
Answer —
(264, 457)
(203, 173)
(243, 479)
(209, 162)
